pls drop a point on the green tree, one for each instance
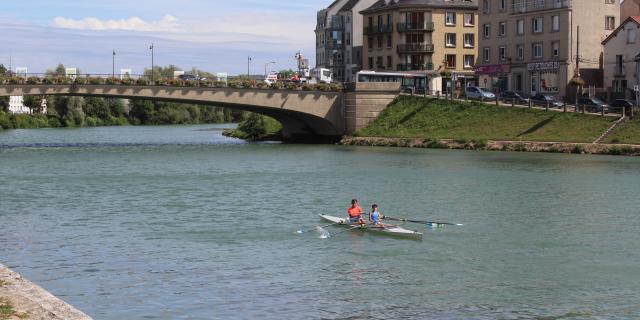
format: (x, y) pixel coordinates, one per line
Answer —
(286, 74)
(254, 127)
(116, 107)
(97, 107)
(3, 69)
(142, 111)
(4, 104)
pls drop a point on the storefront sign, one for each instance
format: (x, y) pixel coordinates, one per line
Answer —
(539, 66)
(493, 69)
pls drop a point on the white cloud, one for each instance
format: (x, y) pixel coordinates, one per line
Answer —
(167, 24)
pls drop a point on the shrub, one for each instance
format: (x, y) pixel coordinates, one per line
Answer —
(112, 81)
(615, 140)
(16, 80)
(49, 80)
(291, 86)
(276, 86)
(205, 83)
(235, 84)
(220, 84)
(261, 85)
(335, 87)
(54, 122)
(95, 80)
(33, 80)
(142, 82)
(62, 80)
(577, 150)
(520, 147)
(192, 83)
(80, 80)
(307, 87)
(554, 149)
(160, 82)
(126, 81)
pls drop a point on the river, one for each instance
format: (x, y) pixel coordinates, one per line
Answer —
(179, 222)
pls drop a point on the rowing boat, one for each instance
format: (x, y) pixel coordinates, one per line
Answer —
(388, 229)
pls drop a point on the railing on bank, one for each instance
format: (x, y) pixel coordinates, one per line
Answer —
(163, 81)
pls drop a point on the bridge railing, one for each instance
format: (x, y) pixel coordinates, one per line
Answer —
(163, 81)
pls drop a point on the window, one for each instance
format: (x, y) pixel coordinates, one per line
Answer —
(619, 65)
(502, 29)
(380, 42)
(486, 6)
(555, 23)
(379, 63)
(536, 50)
(389, 20)
(502, 52)
(450, 19)
(486, 30)
(469, 40)
(389, 62)
(370, 42)
(555, 49)
(503, 5)
(468, 61)
(469, 20)
(450, 40)
(536, 25)
(451, 61)
(348, 38)
(520, 27)
(631, 36)
(486, 54)
(389, 41)
(609, 23)
(520, 52)
(371, 63)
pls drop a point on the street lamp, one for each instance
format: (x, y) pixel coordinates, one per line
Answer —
(248, 68)
(265, 68)
(113, 65)
(152, 66)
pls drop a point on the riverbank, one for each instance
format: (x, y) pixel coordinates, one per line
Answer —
(256, 128)
(493, 145)
(22, 299)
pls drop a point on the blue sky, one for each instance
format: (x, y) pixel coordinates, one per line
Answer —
(212, 35)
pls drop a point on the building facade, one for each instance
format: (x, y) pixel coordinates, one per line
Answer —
(339, 38)
(433, 37)
(620, 51)
(629, 8)
(530, 46)
(16, 105)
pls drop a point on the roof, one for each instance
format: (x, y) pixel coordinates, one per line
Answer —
(635, 19)
(333, 4)
(349, 5)
(382, 5)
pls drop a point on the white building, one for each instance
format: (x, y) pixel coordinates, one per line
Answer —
(620, 51)
(16, 105)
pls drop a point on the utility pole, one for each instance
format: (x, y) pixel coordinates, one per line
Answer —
(249, 68)
(577, 72)
(152, 65)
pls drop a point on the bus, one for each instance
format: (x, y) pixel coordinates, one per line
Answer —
(409, 82)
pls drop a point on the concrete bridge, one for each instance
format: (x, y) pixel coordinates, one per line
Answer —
(305, 115)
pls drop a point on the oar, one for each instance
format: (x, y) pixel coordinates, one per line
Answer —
(421, 221)
(314, 228)
(343, 231)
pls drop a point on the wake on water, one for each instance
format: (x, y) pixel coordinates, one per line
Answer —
(323, 232)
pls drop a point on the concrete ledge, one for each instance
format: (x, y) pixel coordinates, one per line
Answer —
(37, 303)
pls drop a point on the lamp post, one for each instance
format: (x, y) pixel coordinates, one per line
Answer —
(265, 68)
(152, 66)
(248, 68)
(113, 65)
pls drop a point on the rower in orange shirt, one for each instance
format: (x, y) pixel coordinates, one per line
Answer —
(355, 212)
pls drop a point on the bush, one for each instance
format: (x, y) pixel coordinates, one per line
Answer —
(112, 81)
(335, 87)
(142, 82)
(276, 86)
(291, 86)
(54, 122)
(62, 80)
(33, 80)
(192, 83)
(15, 80)
(205, 83)
(126, 81)
(220, 84)
(577, 150)
(307, 87)
(80, 81)
(95, 81)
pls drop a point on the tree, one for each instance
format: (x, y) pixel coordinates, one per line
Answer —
(116, 107)
(286, 74)
(142, 111)
(4, 104)
(254, 126)
(3, 69)
(34, 103)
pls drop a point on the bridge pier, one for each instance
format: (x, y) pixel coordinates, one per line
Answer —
(365, 101)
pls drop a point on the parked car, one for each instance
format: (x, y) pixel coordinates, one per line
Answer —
(508, 96)
(190, 77)
(619, 104)
(544, 100)
(479, 93)
(592, 105)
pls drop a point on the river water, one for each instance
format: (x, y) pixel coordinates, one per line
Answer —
(179, 222)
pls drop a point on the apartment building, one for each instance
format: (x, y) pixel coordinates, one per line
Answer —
(339, 38)
(436, 37)
(629, 8)
(530, 46)
(621, 49)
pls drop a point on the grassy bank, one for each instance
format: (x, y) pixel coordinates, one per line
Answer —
(417, 117)
(627, 132)
(256, 128)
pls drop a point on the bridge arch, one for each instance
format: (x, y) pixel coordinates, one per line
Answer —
(304, 115)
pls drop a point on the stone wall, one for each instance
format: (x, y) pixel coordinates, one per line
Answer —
(364, 104)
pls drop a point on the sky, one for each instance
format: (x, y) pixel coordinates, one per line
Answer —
(211, 35)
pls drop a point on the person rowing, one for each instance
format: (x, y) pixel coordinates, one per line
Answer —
(355, 212)
(374, 216)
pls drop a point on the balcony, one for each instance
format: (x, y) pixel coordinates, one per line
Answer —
(379, 29)
(334, 45)
(415, 67)
(525, 6)
(410, 27)
(415, 48)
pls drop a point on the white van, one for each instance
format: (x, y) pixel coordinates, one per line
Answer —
(322, 75)
(271, 78)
